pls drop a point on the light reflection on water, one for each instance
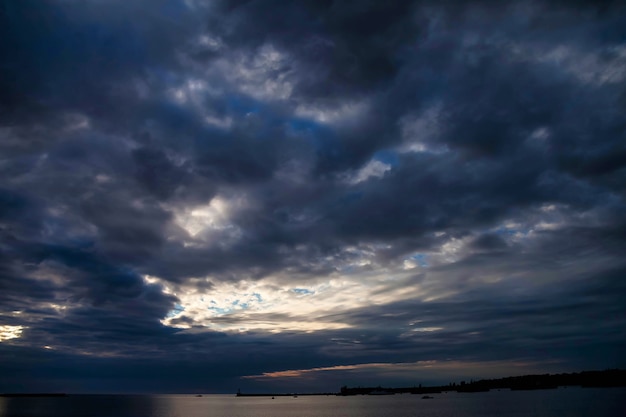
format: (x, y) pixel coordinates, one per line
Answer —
(564, 402)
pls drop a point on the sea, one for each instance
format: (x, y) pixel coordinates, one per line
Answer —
(561, 402)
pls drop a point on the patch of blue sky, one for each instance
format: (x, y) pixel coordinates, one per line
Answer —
(505, 231)
(302, 291)
(175, 311)
(387, 156)
(238, 304)
(321, 137)
(219, 310)
(247, 106)
(305, 125)
(242, 105)
(318, 134)
(235, 305)
(421, 259)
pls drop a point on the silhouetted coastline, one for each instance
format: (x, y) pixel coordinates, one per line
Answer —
(585, 379)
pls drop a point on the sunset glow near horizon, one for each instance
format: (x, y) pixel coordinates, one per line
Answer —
(202, 196)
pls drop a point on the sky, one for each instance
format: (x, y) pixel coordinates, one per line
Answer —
(205, 196)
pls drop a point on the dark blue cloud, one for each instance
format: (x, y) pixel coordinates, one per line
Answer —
(458, 166)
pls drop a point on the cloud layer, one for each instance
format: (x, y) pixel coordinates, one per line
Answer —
(248, 193)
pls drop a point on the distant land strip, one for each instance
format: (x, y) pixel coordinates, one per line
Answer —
(586, 379)
(295, 394)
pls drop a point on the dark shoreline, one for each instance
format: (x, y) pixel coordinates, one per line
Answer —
(306, 394)
(586, 379)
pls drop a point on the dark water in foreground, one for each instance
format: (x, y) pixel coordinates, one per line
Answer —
(564, 402)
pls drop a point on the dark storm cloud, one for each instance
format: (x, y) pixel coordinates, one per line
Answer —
(351, 46)
(480, 144)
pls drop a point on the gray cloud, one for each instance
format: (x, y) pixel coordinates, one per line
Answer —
(427, 181)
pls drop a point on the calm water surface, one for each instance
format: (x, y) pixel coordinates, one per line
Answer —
(564, 402)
